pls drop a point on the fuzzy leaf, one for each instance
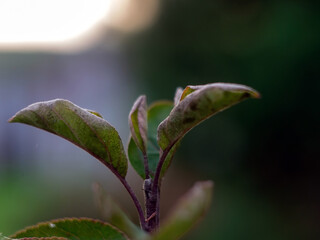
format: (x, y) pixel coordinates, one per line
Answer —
(94, 113)
(156, 113)
(41, 238)
(72, 229)
(197, 104)
(187, 212)
(86, 130)
(138, 123)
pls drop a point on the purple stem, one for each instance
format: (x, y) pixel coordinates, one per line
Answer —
(135, 201)
(146, 165)
(132, 195)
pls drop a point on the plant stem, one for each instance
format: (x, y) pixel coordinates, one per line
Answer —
(151, 202)
(135, 201)
(132, 195)
(146, 165)
(153, 199)
(159, 167)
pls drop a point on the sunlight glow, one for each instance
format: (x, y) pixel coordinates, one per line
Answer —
(68, 24)
(40, 21)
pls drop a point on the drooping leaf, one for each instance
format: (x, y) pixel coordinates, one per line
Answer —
(197, 104)
(72, 229)
(84, 129)
(156, 113)
(138, 123)
(177, 95)
(188, 211)
(113, 214)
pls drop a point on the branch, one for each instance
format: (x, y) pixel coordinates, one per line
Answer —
(146, 165)
(160, 165)
(133, 197)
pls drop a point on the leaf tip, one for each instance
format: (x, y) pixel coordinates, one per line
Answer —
(13, 119)
(255, 94)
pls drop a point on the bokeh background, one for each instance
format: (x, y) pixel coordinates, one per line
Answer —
(263, 155)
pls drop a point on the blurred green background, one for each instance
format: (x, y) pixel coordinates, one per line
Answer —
(263, 155)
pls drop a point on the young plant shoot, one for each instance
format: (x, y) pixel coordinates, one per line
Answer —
(156, 132)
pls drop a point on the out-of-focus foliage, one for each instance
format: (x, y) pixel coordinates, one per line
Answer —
(71, 228)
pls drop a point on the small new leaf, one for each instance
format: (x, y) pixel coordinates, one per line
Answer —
(79, 126)
(188, 211)
(198, 103)
(72, 229)
(157, 112)
(138, 123)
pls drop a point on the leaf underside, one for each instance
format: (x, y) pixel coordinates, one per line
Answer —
(138, 123)
(86, 130)
(72, 229)
(155, 114)
(198, 103)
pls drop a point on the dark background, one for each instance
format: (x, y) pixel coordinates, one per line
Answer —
(263, 155)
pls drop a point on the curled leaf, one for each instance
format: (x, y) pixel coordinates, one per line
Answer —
(71, 229)
(94, 113)
(188, 211)
(86, 130)
(198, 103)
(155, 114)
(138, 123)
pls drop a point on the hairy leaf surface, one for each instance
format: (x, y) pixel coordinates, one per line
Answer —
(36, 238)
(156, 113)
(138, 123)
(198, 103)
(72, 229)
(188, 211)
(84, 129)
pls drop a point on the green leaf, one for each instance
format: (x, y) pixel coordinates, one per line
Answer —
(72, 229)
(138, 123)
(41, 238)
(84, 129)
(136, 158)
(94, 113)
(113, 214)
(156, 113)
(197, 104)
(188, 211)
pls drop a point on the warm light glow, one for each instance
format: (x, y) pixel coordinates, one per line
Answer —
(68, 25)
(38, 21)
(132, 15)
